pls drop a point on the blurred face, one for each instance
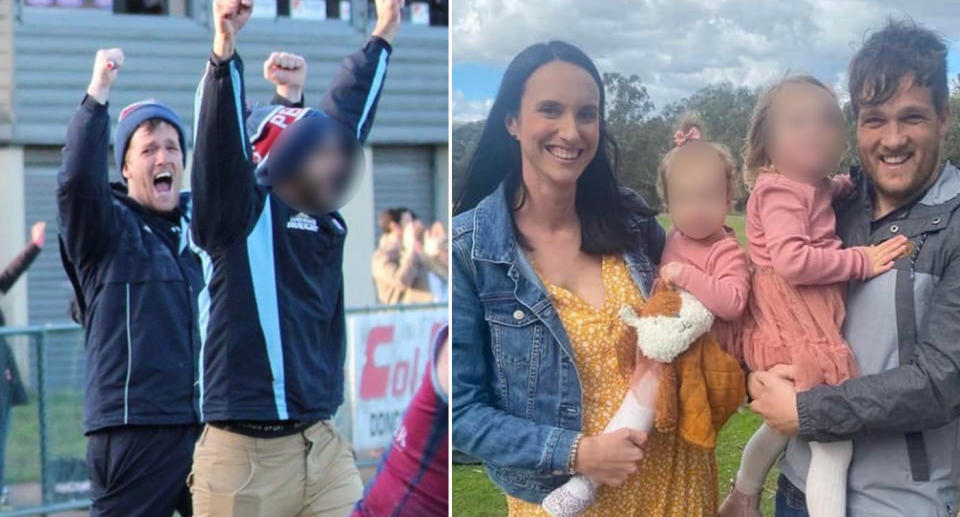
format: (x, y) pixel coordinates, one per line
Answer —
(153, 166)
(806, 132)
(558, 125)
(324, 182)
(697, 196)
(899, 141)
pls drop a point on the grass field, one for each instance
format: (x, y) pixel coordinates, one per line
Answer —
(475, 496)
(64, 432)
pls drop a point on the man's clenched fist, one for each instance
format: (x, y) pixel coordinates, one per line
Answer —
(388, 18)
(229, 16)
(288, 72)
(106, 67)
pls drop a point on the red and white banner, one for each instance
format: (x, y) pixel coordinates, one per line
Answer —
(388, 358)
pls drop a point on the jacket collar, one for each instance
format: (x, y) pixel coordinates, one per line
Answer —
(495, 240)
(942, 197)
(120, 192)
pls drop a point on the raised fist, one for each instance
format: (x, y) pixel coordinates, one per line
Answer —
(106, 67)
(38, 233)
(229, 16)
(388, 18)
(288, 72)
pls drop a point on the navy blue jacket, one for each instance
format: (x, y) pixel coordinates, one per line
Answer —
(272, 314)
(137, 280)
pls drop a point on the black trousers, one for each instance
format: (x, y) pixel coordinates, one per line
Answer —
(141, 471)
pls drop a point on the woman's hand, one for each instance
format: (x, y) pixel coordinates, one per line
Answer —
(611, 457)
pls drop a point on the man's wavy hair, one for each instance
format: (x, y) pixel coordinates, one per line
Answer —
(900, 49)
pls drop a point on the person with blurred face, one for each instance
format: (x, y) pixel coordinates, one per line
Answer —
(902, 324)
(265, 197)
(401, 265)
(12, 389)
(124, 246)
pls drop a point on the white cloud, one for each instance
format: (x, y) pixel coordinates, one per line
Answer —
(466, 110)
(678, 46)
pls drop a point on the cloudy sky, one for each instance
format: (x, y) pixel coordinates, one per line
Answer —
(678, 46)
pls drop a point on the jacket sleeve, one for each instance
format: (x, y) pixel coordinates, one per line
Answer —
(479, 428)
(85, 207)
(18, 266)
(355, 89)
(225, 193)
(921, 394)
(280, 100)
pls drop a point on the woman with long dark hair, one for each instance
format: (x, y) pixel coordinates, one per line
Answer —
(547, 247)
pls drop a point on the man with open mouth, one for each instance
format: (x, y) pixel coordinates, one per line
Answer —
(265, 217)
(125, 248)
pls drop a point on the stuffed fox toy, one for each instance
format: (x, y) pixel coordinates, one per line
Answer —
(693, 392)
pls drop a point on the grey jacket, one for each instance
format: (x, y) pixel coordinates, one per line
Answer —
(904, 328)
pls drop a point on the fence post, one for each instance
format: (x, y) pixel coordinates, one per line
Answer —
(42, 414)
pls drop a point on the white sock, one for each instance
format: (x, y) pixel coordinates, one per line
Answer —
(575, 496)
(632, 415)
(759, 455)
(826, 488)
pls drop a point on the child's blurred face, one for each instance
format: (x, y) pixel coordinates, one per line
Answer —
(806, 132)
(697, 196)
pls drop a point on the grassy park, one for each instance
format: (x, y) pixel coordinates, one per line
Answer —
(475, 496)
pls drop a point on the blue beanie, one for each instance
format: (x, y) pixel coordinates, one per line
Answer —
(283, 138)
(137, 113)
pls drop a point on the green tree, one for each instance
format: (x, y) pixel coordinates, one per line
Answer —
(464, 141)
(640, 136)
(951, 147)
(725, 110)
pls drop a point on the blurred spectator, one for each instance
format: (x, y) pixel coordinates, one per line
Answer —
(12, 392)
(406, 258)
(437, 253)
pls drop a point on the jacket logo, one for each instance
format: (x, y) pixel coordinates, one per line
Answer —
(302, 221)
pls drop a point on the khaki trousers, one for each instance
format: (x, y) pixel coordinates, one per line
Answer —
(309, 474)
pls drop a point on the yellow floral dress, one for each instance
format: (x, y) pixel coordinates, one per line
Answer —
(675, 479)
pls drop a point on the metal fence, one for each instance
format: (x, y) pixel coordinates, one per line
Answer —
(46, 447)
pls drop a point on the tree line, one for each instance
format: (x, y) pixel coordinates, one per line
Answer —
(643, 134)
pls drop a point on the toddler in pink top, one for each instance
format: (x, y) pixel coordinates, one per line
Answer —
(800, 269)
(701, 255)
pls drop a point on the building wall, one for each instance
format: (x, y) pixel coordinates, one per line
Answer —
(13, 234)
(54, 50)
(6, 69)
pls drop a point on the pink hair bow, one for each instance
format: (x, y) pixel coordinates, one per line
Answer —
(680, 138)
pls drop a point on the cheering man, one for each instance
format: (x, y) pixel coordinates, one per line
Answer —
(125, 250)
(272, 321)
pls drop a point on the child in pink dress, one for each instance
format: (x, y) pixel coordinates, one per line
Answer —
(796, 306)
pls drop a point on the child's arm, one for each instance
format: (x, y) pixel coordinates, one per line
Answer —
(784, 213)
(842, 185)
(725, 292)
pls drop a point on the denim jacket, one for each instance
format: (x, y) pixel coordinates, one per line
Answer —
(516, 388)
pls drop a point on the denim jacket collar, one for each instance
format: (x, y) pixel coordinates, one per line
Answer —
(495, 241)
